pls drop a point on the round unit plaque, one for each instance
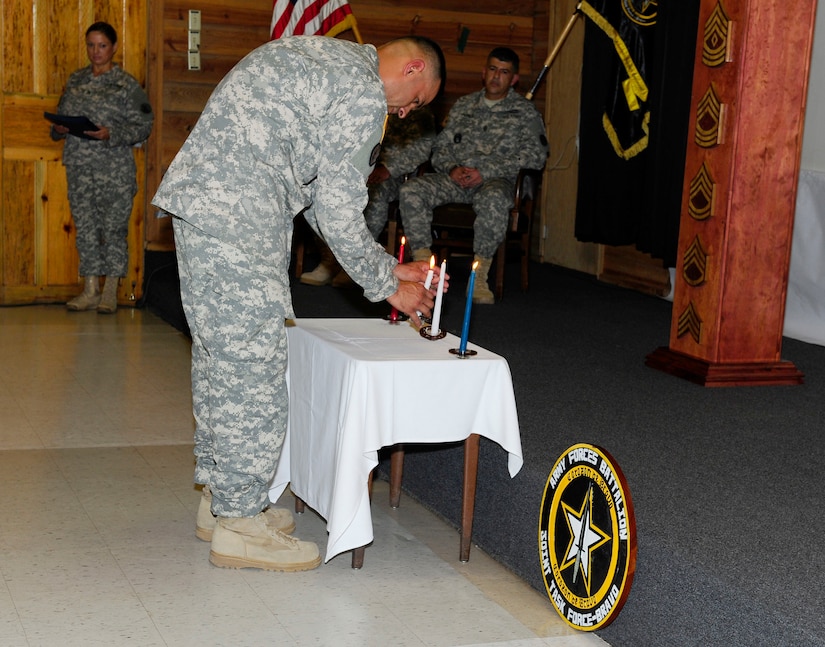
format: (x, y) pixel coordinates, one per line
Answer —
(587, 537)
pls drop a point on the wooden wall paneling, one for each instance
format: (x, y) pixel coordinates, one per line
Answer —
(181, 97)
(541, 47)
(15, 75)
(17, 245)
(59, 44)
(510, 8)
(39, 249)
(558, 244)
(26, 132)
(254, 13)
(57, 226)
(17, 242)
(18, 31)
(133, 49)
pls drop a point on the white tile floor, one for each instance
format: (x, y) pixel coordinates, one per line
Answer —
(97, 508)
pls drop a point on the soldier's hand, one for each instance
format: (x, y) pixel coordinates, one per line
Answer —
(411, 298)
(466, 177)
(417, 271)
(101, 133)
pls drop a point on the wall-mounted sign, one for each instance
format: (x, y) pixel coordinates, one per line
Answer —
(587, 537)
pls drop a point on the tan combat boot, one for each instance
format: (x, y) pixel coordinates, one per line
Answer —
(247, 542)
(422, 254)
(278, 518)
(108, 300)
(326, 270)
(481, 291)
(89, 298)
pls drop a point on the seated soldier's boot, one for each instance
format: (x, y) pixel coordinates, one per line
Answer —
(108, 300)
(277, 518)
(342, 280)
(422, 254)
(247, 542)
(321, 275)
(325, 272)
(481, 291)
(89, 298)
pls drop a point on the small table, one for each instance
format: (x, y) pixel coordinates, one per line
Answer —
(357, 385)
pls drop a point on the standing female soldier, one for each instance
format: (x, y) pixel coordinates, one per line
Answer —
(100, 166)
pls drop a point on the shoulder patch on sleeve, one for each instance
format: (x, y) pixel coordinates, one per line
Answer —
(376, 151)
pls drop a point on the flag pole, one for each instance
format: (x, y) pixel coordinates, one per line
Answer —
(356, 32)
(556, 49)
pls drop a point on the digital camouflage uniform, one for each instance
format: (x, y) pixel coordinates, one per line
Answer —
(101, 173)
(407, 144)
(498, 141)
(292, 127)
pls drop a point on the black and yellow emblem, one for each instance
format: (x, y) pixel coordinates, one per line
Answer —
(587, 537)
(642, 12)
(375, 154)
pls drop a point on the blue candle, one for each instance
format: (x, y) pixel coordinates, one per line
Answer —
(465, 329)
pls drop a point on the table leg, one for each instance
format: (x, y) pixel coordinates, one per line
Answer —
(358, 557)
(358, 553)
(396, 472)
(468, 499)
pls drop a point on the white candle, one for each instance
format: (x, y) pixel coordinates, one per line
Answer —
(429, 280)
(434, 328)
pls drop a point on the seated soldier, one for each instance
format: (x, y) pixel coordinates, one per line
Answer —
(406, 145)
(488, 137)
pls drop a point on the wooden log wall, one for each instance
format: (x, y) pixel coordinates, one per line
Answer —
(466, 29)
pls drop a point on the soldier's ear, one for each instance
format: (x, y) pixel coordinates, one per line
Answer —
(514, 81)
(415, 66)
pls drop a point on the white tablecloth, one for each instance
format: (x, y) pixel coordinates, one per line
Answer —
(357, 385)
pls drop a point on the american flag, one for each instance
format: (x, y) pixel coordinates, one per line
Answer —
(310, 17)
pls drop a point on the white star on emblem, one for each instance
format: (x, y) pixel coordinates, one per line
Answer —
(584, 537)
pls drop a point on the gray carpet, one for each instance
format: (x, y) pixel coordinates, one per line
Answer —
(724, 481)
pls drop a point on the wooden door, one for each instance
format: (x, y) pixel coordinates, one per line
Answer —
(43, 43)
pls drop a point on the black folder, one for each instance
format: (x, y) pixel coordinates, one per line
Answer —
(76, 125)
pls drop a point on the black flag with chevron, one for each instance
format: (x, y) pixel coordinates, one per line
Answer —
(635, 99)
